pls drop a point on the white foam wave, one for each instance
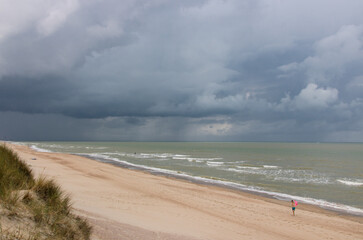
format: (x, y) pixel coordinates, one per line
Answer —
(106, 157)
(270, 166)
(247, 167)
(248, 170)
(351, 182)
(38, 149)
(154, 155)
(180, 155)
(170, 156)
(214, 164)
(194, 159)
(179, 158)
(162, 156)
(234, 170)
(283, 175)
(320, 180)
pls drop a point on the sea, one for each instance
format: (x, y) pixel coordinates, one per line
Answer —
(328, 175)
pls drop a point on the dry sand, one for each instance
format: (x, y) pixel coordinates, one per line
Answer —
(127, 204)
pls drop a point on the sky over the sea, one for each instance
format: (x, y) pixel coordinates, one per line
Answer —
(191, 70)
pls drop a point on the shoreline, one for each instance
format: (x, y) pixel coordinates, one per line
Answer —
(168, 190)
(205, 180)
(226, 185)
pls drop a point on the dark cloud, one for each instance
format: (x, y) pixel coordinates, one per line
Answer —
(187, 70)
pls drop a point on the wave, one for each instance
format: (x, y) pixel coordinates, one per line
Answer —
(320, 181)
(284, 175)
(215, 164)
(38, 149)
(42, 147)
(106, 158)
(163, 156)
(194, 159)
(248, 167)
(351, 182)
(270, 166)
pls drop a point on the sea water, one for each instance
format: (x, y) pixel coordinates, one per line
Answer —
(329, 175)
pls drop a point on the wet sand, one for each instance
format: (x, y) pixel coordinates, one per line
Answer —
(127, 204)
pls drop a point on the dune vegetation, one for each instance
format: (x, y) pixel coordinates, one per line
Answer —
(34, 208)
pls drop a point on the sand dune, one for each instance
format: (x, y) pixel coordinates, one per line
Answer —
(127, 204)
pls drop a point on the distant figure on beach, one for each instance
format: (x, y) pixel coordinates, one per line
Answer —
(293, 206)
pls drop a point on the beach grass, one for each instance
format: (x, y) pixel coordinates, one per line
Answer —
(34, 208)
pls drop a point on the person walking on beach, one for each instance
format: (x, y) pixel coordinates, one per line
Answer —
(293, 206)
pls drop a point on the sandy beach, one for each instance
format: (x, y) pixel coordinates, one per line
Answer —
(127, 204)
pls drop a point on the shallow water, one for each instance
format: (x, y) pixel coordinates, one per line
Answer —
(326, 174)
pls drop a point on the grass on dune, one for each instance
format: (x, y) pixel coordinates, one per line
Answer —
(14, 173)
(33, 208)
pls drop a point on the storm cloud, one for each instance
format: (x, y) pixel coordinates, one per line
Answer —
(250, 70)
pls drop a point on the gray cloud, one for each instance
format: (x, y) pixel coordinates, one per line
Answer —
(189, 70)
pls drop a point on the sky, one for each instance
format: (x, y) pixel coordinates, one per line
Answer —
(191, 70)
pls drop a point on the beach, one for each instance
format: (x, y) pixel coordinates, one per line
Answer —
(127, 204)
